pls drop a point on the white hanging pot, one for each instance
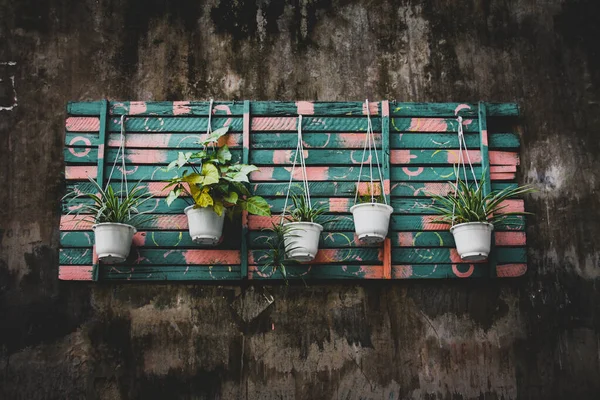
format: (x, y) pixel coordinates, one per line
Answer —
(113, 241)
(302, 240)
(371, 221)
(473, 240)
(205, 225)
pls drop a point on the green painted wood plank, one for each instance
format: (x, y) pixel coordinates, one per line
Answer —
(245, 160)
(174, 124)
(84, 108)
(430, 125)
(74, 156)
(405, 255)
(329, 240)
(314, 272)
(157, 239)
(169, 273)
(450, 109)
(408, 223)
(445, 239)
(440, 271)
(101, 149)
(346, 256)
(273, 140)
(197, 124)
(150, 256)
(416, 189)
(175, 108)
(294, 108)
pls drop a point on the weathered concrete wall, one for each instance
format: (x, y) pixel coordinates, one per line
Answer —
(534, 337)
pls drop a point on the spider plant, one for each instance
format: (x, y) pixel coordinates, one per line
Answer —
(467, 203)
(301, 211)
(110, 206)
(275, 257)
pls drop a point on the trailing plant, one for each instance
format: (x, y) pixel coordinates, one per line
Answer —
(210, 179)
(109, 206)
(467, 203)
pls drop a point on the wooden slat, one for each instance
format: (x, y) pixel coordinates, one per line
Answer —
(331, 256)
(451, 109)
(173, 124)
(445, 239)
(175, 108)
(430, 125)
(132, 156)
(310, 272)
(75, 272)
(425, 189)
(440, 271)
(406, 255)
(407, 223)
(170, 273)
(306, 108)
(148, 256)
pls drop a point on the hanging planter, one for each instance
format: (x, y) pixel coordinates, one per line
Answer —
(213, 186)
(114, 215)
(470, 213)
(302, 232)
(372, 215)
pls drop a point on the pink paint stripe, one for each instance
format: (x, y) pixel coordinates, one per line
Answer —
(83, 124)
(81, 172)
(503, 168)
(305, 107)
(211, 256)
(461, 274)
(256, 222)
(75, 272)
(502, 177)
(137, 107)
(385, 108)
(402, 271)
(428, 125)
(406, 239)
(373, 108)
(401, 156)
(364, 188)
(513, 206)
(339, 205)
(136, 156)
(160, 222)
(454, 156)
(429, 225)
(274, 124)
(504, 158)
(511, 270)
(510, 238)
(181, 108)
(484, 138)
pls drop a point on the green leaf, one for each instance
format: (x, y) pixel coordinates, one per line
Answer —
(194, 179)
(219, 208)
(215, 136)
(258, 206)
(203, 199)
(211, 174)
(231, 198)
(173, 194)
(224, 155)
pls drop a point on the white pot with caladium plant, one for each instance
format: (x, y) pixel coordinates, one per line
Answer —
(213, 186)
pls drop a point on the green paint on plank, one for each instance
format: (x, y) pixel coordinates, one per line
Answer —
(149, 256)
(170, 273)
(292, 108)
(440, 271)
(404, 255)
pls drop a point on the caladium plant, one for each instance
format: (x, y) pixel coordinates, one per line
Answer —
(208, 178)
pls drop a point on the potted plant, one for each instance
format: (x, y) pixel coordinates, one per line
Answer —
(214, 186)
(302, 232)
(371, 216)
(473, 215)
(114, 216)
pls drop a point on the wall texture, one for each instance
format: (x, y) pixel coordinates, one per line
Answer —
(534, 337)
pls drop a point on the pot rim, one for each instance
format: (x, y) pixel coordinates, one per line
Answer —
(305, 223)
(114, 223)
(374, 205)
(185, 210)
(472, 223)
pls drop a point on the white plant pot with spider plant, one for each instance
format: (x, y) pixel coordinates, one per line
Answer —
(205, 225)
(301, 240)
(473, 240)
(113, 241)
(371, 221)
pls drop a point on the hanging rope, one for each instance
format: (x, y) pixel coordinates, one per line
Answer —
(120, 152)
(299, 149)
(372, 147)
(462, 144)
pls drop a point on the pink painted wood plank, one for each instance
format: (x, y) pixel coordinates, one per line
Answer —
(511, 270)
(75, 272)
(81, 172)
(160, 222)
(82, 124)
(274, 124)
(496, 157)
(503, 168)
(314, 174)
(510, 238)
(209, 257)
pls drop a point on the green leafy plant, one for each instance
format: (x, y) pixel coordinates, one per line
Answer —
(372, 188)
(301, 211)
(467, 203)
(110, 206)
(275, 257)
(209, 179)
